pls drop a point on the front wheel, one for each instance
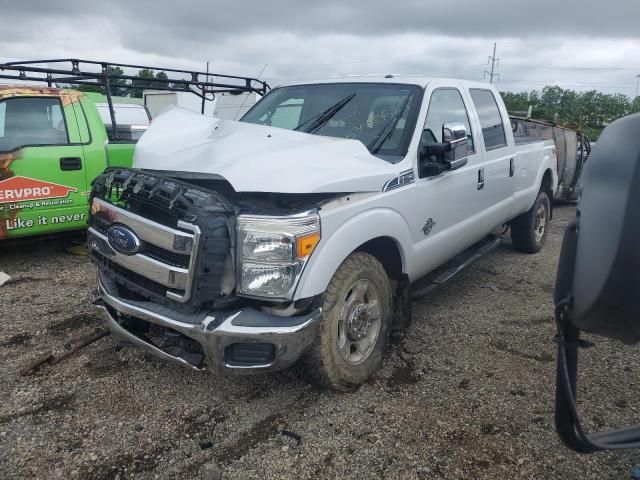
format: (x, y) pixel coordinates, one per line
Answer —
(355, 326)
(529, 230)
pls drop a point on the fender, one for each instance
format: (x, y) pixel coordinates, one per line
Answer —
(340, 237)
(549, 162)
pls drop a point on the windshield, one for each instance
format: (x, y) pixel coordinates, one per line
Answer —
(381, 116)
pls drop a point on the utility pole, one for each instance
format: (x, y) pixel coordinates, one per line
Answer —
(495, 62)
(637, 83)
(204, 96)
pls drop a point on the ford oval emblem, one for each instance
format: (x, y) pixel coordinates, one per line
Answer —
(123, 240)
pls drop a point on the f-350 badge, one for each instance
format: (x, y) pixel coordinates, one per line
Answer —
(428, 226)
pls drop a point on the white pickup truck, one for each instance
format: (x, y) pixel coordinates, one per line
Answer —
(297, 233)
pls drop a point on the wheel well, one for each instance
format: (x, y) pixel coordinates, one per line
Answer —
(386, 250)
(547, 186)
(547, 182)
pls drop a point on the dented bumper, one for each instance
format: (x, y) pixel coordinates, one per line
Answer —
(239, 341)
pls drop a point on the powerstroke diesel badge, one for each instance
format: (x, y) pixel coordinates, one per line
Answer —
(21, 189)
(123, 240)
(428, 226)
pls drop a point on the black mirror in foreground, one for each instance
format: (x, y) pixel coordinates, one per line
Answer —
(598, 280)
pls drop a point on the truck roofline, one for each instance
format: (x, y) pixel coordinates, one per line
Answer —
(419, 80)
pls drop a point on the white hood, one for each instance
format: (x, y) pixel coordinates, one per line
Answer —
(256, 158)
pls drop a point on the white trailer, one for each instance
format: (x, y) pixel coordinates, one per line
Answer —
(225, 105)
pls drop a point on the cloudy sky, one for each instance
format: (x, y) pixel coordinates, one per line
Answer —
(575, 44)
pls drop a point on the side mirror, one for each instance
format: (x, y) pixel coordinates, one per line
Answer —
(453, 132)
(450, 154)
(598, 276)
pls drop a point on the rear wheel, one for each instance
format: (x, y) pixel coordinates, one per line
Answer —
(355, 325)
(529, 230)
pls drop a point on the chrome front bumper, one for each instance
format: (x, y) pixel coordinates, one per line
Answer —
(290, 336)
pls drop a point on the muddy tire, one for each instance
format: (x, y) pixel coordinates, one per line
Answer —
(529, 230)
(355, 326)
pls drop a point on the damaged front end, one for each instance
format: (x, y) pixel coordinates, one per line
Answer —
(167, 257)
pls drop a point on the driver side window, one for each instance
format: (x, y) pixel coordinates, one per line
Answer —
(446, 105)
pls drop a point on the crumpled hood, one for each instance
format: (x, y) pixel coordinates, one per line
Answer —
(256, 158)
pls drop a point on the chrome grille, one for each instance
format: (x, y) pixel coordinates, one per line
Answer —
(156, 259)
(181, 235)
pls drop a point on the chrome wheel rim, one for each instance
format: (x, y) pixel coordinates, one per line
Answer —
(359, 322)
(541, 223)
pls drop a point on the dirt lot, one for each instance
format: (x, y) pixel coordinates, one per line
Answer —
(467, 392)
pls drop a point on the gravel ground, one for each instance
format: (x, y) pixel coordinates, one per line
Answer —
(466, 392)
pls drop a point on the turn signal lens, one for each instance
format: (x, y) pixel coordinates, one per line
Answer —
(306, 244)
(95, 207)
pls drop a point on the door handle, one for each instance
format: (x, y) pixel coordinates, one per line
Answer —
(512, 166)
(70, 163)
(481, 179)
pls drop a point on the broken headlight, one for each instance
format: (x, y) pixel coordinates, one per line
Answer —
(273, 252)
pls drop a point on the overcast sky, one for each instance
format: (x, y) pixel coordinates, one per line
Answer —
(575, 44)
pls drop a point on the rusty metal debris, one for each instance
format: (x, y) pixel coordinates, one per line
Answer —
(52, 360)
(83, 343)
(48, 357)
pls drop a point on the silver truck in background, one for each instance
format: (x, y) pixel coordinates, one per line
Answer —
(572, 150)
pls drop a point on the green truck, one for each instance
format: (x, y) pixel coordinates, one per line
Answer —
(55, 141)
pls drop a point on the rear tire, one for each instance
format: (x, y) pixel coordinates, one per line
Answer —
(529, 230)
(355, 326)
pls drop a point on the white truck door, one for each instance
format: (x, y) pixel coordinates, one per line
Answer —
(498, 169)
(446, 204)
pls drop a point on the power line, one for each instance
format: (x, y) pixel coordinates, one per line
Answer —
(570, 84)
(562, 43)
(554, 67)
(573, 82)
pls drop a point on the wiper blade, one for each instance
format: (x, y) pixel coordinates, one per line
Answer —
(389, 128)
(319, 120)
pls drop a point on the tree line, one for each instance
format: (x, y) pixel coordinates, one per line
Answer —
(125, 88)
(588, 112)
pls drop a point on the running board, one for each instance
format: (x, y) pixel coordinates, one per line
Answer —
(430, 282)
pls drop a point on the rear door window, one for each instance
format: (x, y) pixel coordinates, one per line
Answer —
(28, 121)
(490, 118)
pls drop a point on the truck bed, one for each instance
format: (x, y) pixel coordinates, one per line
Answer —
(571, 146)
(525, 140)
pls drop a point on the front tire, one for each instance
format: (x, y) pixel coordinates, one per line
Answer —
(529, 230)
(355, 325)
